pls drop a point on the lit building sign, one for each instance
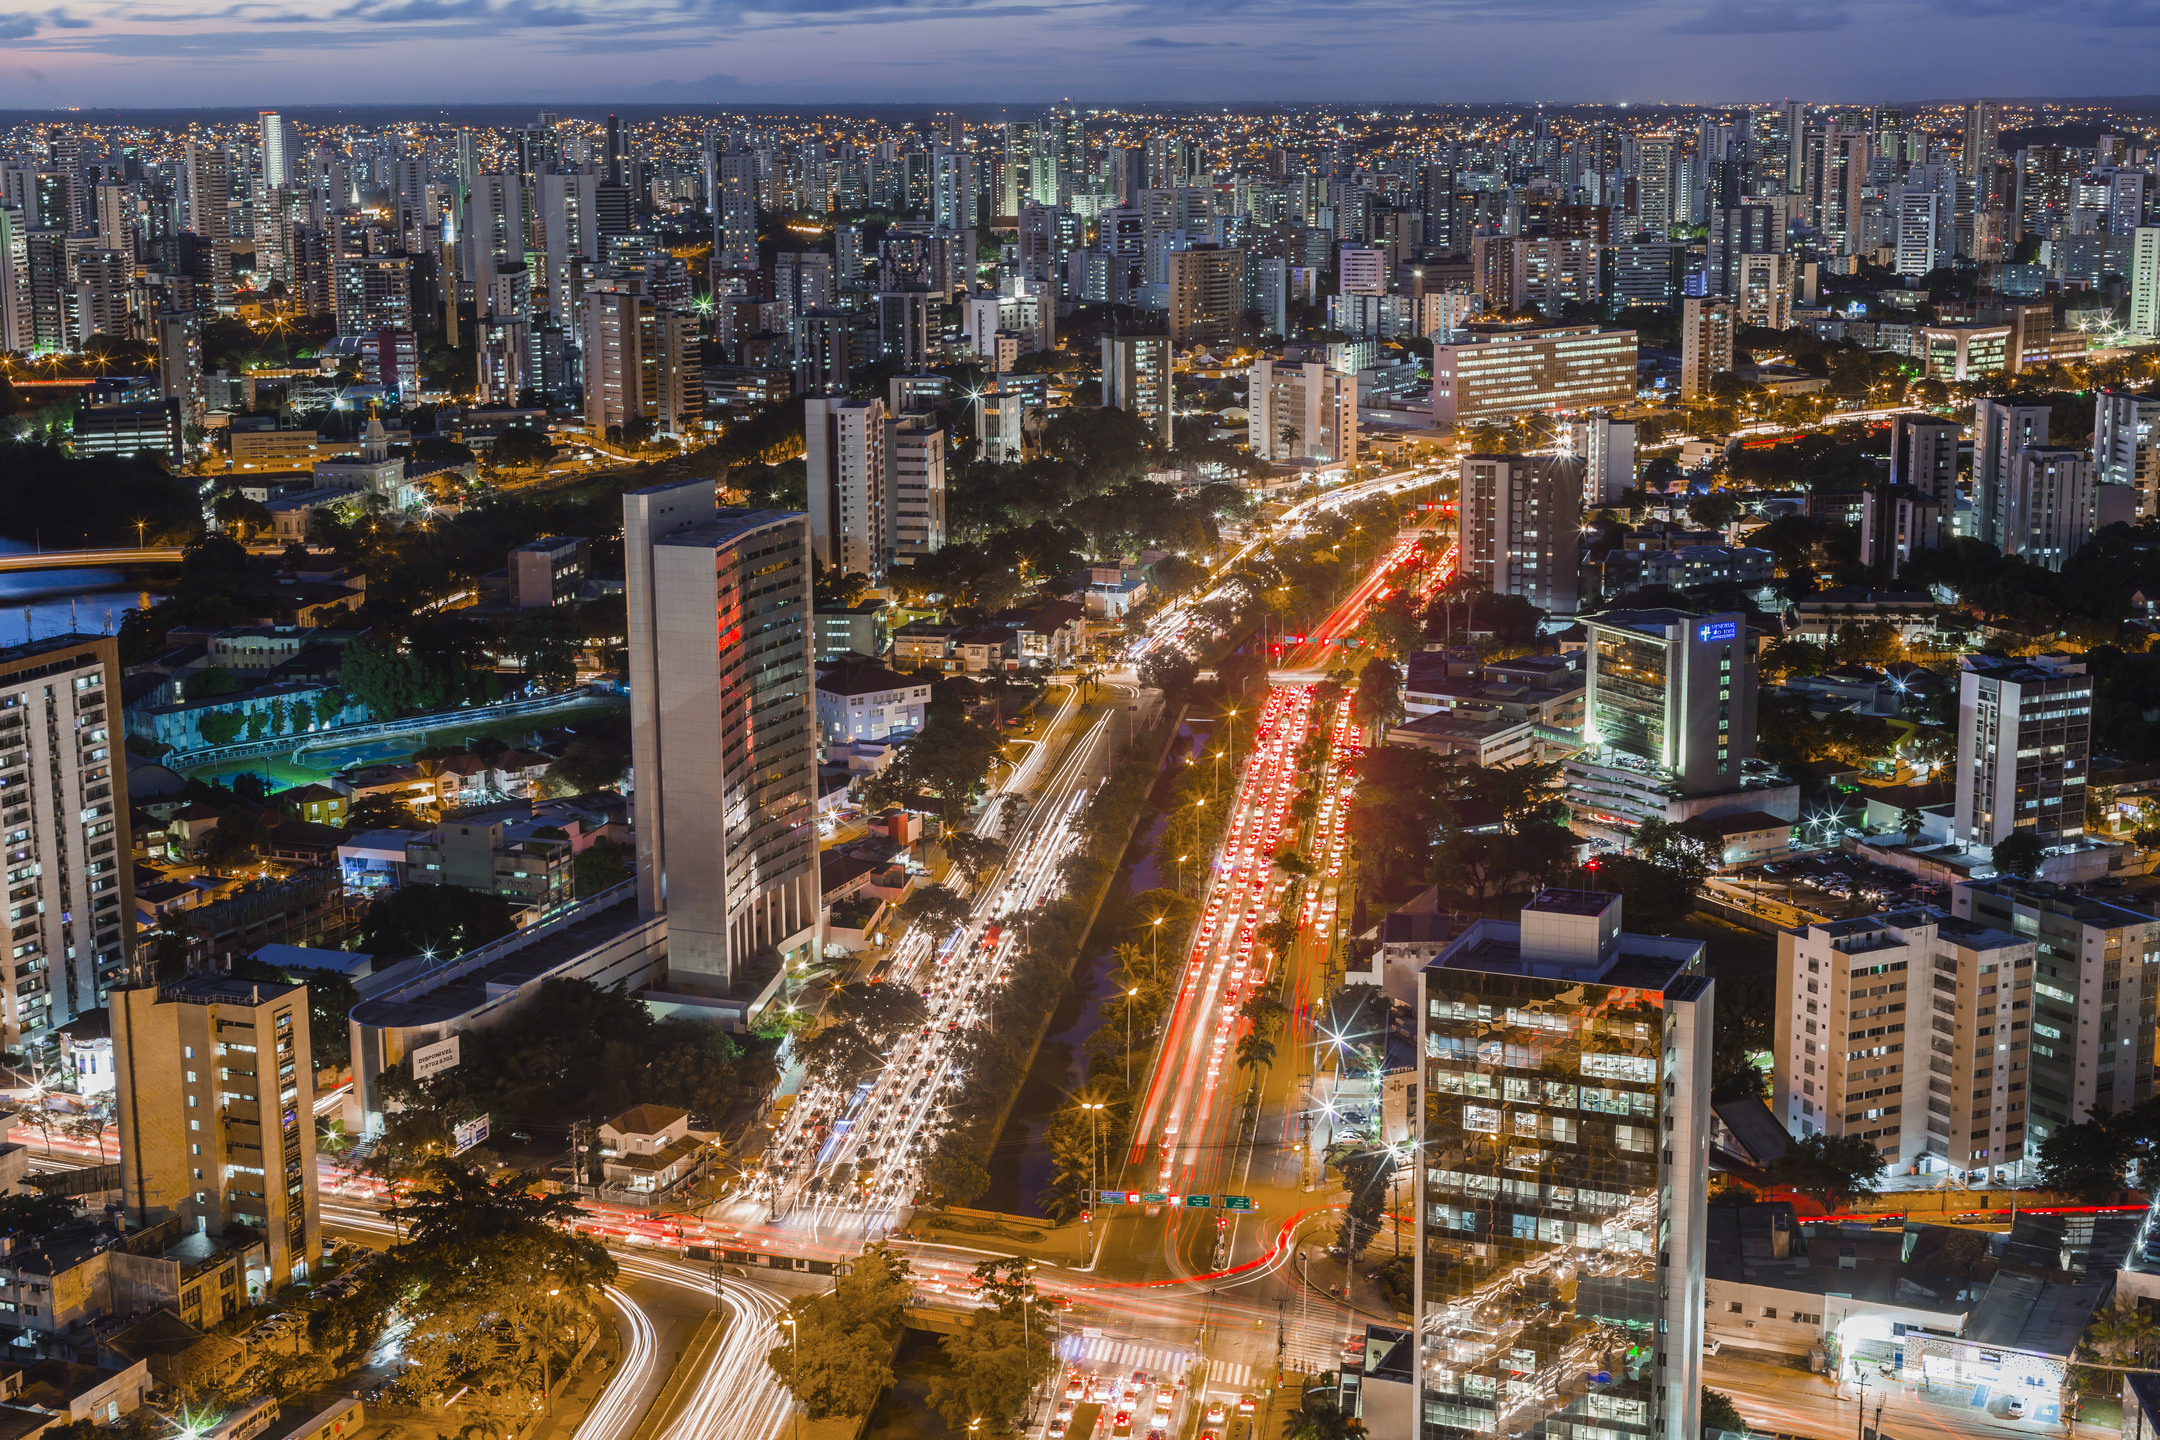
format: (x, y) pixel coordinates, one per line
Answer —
(1719, 630)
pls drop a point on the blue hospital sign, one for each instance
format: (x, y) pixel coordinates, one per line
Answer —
(1717, 630)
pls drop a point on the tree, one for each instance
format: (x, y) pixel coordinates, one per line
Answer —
(1378, 699)
(1719, 1413)
(585, 766)
(998, 1354)
(381, 812)
(441, 920)
(34, 1215)
(973, 854)
(1171, 671)
(220, 727)
(953, 1175)
(935, 909)
(1835, 1167)
(838, 1360)
(600, 866)
(1318, 1417)
(2020, 854)
(520, 449)
(1367, 1175)
(209, 683)
(1910, 822)
(2083, 1159)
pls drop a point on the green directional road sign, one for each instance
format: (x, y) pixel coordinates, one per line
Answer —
(1154, 1197)
(1199, 1202)
(1237, 1202)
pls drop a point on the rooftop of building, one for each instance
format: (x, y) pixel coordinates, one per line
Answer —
(647, 1119)
(2038, 670)
(864, 677)
(1868, 932)
(209, 989)
(2061, 900)
(421, 1003)
(549, 543)
(1747, 822)
(1556, 901)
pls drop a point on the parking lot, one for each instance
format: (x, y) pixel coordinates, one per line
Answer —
(1836, 886)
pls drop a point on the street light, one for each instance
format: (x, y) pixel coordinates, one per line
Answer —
(1094, 1110)
(794, 1366)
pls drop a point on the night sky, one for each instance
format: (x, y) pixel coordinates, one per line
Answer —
(442, 52)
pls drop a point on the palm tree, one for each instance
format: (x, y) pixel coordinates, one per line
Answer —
(1255, 1052)
(1319, 1418)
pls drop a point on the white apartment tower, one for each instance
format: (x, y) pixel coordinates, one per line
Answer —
(1909, 1031)
(844, 453)
(1706, 343)
(63, 799)
(2024, 740)
(2145, 281)
(1301, 411)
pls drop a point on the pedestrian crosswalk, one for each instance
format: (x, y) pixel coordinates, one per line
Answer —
(1110, 1355)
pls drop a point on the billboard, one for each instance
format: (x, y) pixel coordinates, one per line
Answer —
(430, 1060)
(468, 1134)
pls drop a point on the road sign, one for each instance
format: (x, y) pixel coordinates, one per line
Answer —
(1154, 1197)
(1112, 1197)
(430, 1060)
(1199, 1202)
(1237, 1202)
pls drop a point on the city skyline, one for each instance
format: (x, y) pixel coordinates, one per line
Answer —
(866, 51)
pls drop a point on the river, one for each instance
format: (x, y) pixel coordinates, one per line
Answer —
(38, 604)
(1020, 1167)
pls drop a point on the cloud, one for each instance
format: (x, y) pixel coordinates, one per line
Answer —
(22, 27)
(1759, 20)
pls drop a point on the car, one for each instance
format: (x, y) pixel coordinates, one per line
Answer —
(1165, 1397)
(2014, 1406)
(1121, 1427)
(1075, 1385)
(1058, 1425)
(1216, 1414)
(1246, 1404)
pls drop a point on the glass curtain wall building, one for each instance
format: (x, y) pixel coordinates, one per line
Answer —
(1562, 1178)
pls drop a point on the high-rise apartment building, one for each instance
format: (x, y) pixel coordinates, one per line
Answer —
(914, 487)
(280, 148)
(1981, 138)
(1492, 372)
(2096, 971)
(1763, 290)
(1607, 448)
(1301, 411)
(63, 799)
(1362, 270)
(1908, 1030)
(2024, 746)
(1656, 171)
(1522, 526)
(2145, 281)
(2048, 504)
(735, 217)
(372, 292)
(1565, 1069)
(2001, 428)
(209, 182)
(2126, 444)
(570, 232)
(179, 357)
(722, 728)
(215, 1085)
(641, 361)
(1207, 294)
(844, 455)
(1136, 378)
(1924, 454)
(1706, 343)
